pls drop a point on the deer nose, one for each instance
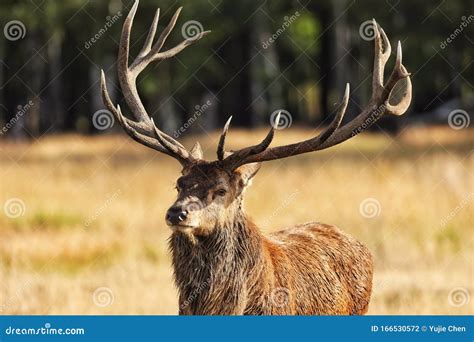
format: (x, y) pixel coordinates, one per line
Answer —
(176, 216)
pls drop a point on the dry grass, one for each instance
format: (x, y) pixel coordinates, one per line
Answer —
(94, 217)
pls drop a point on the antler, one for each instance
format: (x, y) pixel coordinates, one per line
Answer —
(379, 105)
(143, 130)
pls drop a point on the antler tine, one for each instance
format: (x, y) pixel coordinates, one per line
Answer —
(127, 78)
(399, 72)
(221, 145)
(336, 122)
(240, 157)
(124, 45)
(150, 50)
(164, 35)
(180, 47)
(138, 126)
(382, 52)
(110, 106)
(151, 35)
(105, 93)
(135, 135)
(154, 53)
(386, 42)
(124, 122)
(174, 150)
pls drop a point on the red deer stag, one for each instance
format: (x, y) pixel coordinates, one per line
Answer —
(223, 264)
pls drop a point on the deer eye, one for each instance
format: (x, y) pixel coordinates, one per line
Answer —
(221, 192)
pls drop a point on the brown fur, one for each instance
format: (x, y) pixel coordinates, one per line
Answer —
(225, 266)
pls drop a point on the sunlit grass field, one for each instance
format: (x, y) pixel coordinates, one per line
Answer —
(82, 229)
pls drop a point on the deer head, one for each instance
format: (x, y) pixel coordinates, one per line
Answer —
(210, 192)
(209, 196)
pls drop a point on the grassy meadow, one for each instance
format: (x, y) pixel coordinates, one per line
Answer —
(82, 229)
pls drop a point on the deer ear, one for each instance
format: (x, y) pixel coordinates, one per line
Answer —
(247, 171)
(196, 151)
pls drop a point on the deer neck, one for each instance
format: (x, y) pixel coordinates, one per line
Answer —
(210, 266)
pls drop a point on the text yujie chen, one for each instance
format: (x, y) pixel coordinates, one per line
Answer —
(438, 329)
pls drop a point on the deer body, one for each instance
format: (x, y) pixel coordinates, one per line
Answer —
(222, 263)
(311, 269)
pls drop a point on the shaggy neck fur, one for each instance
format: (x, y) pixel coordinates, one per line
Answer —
(211, 272)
